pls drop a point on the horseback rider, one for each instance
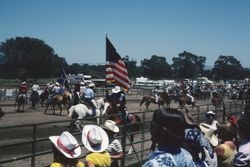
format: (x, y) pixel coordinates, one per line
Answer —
(35, 87)
(82, 90)
(89, 97)
(156, 92)
(56, 90)
(23, 89)
(187, 90)
(118, 99)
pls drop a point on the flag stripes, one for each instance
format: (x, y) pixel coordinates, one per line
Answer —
(116, 71)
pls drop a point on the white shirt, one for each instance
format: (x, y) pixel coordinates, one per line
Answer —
(35, 87)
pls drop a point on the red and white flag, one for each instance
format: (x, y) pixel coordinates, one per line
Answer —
(116, 71)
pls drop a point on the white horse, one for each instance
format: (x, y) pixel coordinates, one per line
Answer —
(83, 111)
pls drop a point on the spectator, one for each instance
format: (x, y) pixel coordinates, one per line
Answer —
(66, 151)
(96, 140)
(200, 148)
(226, 150)
(210, 120)
(115, 147)
(167, 131)
(208, 132)
(232, 121)
(242, 158)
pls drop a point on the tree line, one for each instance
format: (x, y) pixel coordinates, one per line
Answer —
(26, 57)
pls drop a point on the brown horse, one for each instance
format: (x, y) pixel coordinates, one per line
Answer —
(163, 99)
(59, 100)
(217, 102)
(183, 100)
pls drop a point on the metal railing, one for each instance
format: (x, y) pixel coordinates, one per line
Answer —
(22, 142)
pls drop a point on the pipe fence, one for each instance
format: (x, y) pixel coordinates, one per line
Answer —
(29, 143)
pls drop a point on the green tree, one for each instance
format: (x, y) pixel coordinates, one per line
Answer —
(156, 68)
(228, 67)
(188, 65)
(131, 67)
(29, 57)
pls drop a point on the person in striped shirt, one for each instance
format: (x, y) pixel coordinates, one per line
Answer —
(114, 148)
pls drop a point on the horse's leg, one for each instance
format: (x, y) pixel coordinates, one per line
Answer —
(46, 108)
(60, 108)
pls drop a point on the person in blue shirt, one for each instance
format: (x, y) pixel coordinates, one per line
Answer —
(89, 97)
(168, 131)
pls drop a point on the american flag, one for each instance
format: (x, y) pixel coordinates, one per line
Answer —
(116, 71)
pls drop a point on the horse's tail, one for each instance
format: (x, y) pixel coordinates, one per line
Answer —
(143, 100)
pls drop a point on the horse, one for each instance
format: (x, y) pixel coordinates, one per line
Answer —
(82, 111)
(21, 99)
(217, 102)
(44, 96)
(147, 99)
(34, 98)
(56, 100)
(67, 99)
(132, 121)
(183, 100)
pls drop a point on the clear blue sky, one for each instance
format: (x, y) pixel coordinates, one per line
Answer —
(137, 28)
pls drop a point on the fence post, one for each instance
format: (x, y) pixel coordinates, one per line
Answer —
(223, 112)
(33, 159)
(198, 113)
(143, 135)
(123, 141)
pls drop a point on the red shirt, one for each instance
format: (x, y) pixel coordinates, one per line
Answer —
(23, 89)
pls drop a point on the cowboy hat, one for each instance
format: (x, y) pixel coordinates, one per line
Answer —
(82, 83)
(91, 85)
(23, 82)
(110, 125)
(210, 113)
(57, 84)
(94, 138)
(209, 133)
(66, 144)
(117, 89)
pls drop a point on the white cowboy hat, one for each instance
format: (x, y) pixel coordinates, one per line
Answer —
(116, 89)
(82, 83)
(23, 82)
(209, 133)
(91, 85)
(210, 113)
(94, 138)
(57, 84)
(110, 125)
(66, 144)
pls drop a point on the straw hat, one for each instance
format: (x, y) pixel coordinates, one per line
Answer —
(110, 125)
(94, 138)
(209, 133)
(66, 144)
(117, 89)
